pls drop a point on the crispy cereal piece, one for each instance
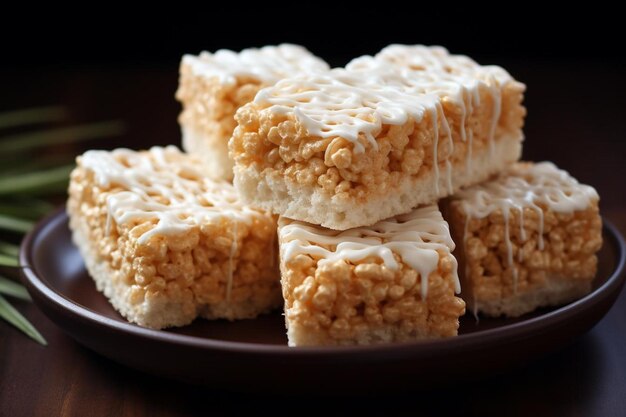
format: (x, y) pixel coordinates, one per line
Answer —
(213, 86)
(349, 147)
(525, 240)
(165, 244)
(394, 281)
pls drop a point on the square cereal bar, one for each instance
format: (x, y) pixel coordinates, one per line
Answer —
(526, 239)
(165, 244)
(213, 86)
(393, 281)
(349, 147)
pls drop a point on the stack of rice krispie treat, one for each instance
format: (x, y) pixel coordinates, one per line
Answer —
(353, 161)
(345, 157)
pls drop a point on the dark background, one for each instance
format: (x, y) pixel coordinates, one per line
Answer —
(111, 63)
(503, 32)
(108, 63)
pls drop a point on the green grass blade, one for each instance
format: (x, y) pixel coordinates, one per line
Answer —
(41, 162)
(27, 141)
(39, 182)
(32, 116)
(13, 289)
(10, 314)
(15, 225)
(9, 249)
(30, 209)
(8, 260)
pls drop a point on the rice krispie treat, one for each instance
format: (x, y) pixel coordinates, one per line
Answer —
(165, 244)
(349, 147)
(393, 281)
(214, 85)
(525, 240)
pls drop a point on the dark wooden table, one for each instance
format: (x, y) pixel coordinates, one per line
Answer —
(576, 118)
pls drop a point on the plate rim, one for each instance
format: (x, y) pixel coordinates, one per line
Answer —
(36, 282)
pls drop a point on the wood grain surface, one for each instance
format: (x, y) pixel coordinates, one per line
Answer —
(571, 121)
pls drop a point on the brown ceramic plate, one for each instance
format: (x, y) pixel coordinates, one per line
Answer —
(252, 354)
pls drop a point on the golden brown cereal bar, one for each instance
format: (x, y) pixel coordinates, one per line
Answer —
(394, 281)
(349, 147)
(165, 244)
(525, 240)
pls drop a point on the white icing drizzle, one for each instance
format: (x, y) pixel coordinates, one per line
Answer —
(497, 104)
(399, 83)
(449, 176)
(420, 59)
(436, 148)
(525, 185)
(267, 64)
(416, 237)
(470, 136)
(165, 187)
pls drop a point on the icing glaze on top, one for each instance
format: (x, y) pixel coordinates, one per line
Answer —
(267, 64)
(424, 62)
(163, 186)
(354, 102)
(526, 185)
(417, 237)
(434, 70)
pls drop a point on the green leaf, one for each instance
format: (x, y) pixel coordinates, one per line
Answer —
(32, 116)
(14, 224)
(39, 182)
(27, 141)
(24, 165)
(25, 208)
(9, 249)
(8, 261)
(8, 287)
(10, 314)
